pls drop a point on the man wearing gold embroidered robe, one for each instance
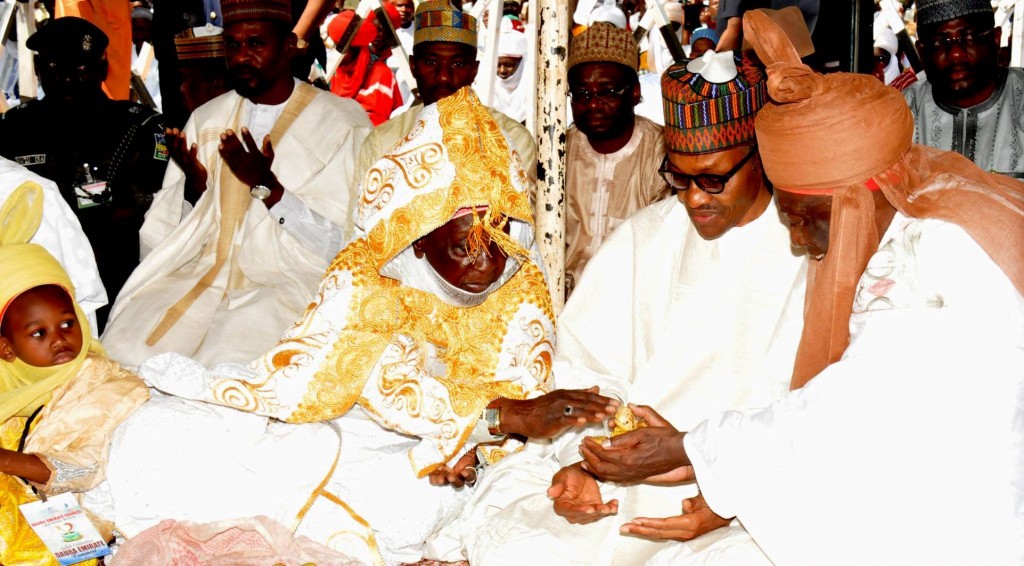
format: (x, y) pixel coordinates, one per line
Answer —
(398, 355)
(235, 241)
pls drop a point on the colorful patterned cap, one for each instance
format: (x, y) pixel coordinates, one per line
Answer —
(244, 10)
(439, 21)
(605, 43)
(710, 103)
(195, 45)
(938, 11)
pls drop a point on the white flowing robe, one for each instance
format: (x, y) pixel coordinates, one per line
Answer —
(991, 134)
(664, 318)
(909, 449)
(271, 276)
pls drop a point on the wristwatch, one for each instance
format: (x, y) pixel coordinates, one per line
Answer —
(260, 192)
(492, 416)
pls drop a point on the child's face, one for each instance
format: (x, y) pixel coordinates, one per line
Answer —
(41, 328)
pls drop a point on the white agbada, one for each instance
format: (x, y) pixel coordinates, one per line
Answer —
(61, 234)
(274, 263)
(991, 134)
(909, 449)
(665, 318)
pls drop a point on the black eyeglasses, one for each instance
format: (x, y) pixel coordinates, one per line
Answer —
(970, 38)
(606, 96)
(710, 184)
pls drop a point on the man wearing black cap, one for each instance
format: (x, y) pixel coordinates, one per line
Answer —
(968, 104)
(108, 157)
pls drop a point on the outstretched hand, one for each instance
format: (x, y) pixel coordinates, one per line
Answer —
(646, 453)
(551, 414)
(577, 497)
(696, 520)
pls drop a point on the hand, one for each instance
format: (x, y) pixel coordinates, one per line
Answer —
(578, 497)
(546, 416)
(696, 520)
(461, 474)
(187, 157)
(637, 455)
(252, 167)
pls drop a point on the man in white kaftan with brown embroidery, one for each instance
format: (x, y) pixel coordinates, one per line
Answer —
(611, 154)
(236, 240)
(693, 306)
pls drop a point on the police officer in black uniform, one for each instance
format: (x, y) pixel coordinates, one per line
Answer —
(108, 157)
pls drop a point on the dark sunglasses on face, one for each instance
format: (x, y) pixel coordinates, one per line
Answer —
(710, 184)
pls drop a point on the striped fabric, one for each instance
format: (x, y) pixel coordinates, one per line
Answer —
(191, 48)
(244, 10)
(438, 21)
(701, 116)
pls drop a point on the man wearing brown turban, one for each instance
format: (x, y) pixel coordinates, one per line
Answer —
(907, 447)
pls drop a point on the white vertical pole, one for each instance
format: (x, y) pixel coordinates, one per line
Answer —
(26, 25)
(488, 72)
(1017, 47)
(552, 91)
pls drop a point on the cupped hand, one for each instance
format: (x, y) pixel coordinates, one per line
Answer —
(696, 520)
(187, 157)
(576, 497)
(638, 455)
(551, 414)
(251, 166)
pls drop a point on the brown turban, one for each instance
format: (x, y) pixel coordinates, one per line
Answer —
(847, 135)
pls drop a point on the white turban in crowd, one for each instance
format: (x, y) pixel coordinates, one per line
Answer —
(511, 43)
(885, 39)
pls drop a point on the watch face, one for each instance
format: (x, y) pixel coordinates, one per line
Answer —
(260, 192)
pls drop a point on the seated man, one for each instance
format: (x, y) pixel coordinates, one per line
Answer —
(252, 211)
(443, 60)
(436, 314)
(693, 305)
(913, 337)
(968, 104)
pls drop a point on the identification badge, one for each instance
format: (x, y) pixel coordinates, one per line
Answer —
(28, 160)
(160, 149)
(91, 194)
(64, 529)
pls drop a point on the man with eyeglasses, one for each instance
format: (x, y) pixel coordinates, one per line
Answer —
(612, 155)
(968, 104)
(693, 306)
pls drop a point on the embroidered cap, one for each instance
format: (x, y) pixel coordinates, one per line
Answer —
(198, 44)
(938, 11)
(710, 103)
(605, 43)
(440, 22)
(244, 10)
(69, 38)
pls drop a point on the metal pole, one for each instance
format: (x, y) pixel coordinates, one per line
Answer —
(552, 92)
(26, 25)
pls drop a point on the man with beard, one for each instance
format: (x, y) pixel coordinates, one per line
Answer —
(253, 209)
(968, 104)
(612, 155)
(106, 156)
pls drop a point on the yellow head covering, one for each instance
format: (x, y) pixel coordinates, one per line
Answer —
(25, 388)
